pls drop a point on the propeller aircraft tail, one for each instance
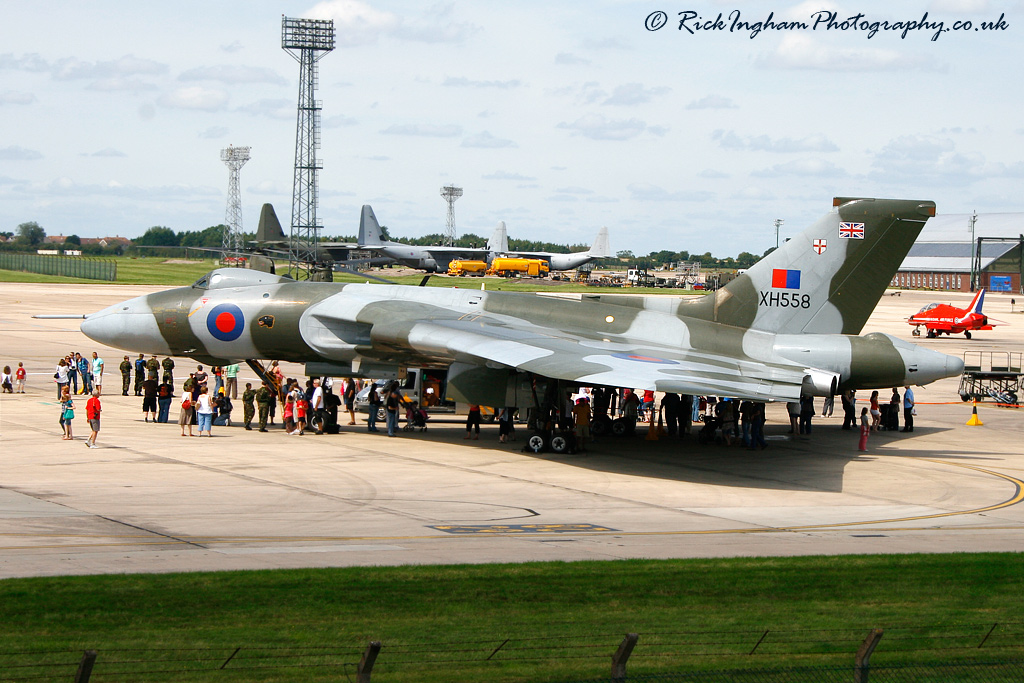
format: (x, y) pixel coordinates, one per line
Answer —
(269, 228)
(369, 228)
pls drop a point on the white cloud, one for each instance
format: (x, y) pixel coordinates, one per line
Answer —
(119, 83)
(931, 159)
(194, 97)
(630, 94)
(506, 175)
(233, 74)
(796, 51)
(280, 109)
(214, 132)
(232, 47)
(355, 22)
(16, 153)
(487, 141)
(338, 121)
(712, 102)
(467, 83)
(597, 127)
(108, 152)
(424, 130)
(763, 143)
(569, 59)
(72, 68)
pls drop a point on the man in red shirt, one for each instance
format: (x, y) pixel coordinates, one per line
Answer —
(92, 413)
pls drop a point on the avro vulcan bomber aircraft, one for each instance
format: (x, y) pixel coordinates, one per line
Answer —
(787, 327)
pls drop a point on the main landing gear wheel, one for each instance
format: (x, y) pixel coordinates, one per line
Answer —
(967, 333)
(601, 425)
(559, 444)
(536, 443)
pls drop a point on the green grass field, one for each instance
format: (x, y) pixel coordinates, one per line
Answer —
(520, 622)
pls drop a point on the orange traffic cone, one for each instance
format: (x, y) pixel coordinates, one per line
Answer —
(975, 421)
(652, 430)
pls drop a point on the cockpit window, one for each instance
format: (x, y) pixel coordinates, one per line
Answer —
(927, 308)
(203, 282)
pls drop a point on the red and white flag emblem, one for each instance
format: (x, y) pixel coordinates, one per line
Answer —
(819, 246)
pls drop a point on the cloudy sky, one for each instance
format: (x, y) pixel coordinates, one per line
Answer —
(557, 117)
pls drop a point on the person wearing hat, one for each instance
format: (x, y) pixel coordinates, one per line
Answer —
(126, 375)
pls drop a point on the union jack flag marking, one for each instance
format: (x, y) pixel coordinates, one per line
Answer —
(851, 231)
(819, 246)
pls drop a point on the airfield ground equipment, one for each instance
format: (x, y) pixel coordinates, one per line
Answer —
(991, 374)
(461, 268)
(517, 267)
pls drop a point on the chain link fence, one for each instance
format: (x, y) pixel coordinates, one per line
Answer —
(66, 266)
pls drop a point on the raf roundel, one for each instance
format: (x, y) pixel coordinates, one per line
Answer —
(225, 322)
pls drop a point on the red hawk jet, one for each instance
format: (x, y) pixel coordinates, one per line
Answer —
(941, 319)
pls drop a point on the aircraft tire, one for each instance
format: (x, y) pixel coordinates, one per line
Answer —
(916, 332)
(967, 333)
(536, 443)
(931, 334)
(559, 444)
(600, 425)
(382, 414)
(621, 427)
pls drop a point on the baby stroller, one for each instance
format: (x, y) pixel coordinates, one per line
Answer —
(707, 434)
(415, 418)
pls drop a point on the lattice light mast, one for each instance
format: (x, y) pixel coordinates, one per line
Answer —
(308, 41)
(450, 194)
(234, 158)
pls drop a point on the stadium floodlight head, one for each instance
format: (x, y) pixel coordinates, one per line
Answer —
(307, 34)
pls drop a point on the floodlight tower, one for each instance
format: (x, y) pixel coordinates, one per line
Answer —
(235, 158)
(308, 41)
(450, 194)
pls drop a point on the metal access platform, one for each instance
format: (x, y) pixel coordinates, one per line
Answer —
(991, 374)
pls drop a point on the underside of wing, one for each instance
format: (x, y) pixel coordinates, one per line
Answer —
(612, 361)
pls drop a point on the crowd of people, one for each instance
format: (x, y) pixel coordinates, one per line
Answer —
(207, 400)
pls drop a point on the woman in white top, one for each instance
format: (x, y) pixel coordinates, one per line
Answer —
(61, 377)
(204, 412)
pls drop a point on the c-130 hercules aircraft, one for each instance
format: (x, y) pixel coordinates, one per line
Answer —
(787, 327)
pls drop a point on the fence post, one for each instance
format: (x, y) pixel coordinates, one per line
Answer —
(85, 666)
(365, 667)
(862, 663)
(621, 656)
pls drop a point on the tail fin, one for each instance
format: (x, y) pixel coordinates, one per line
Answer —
(601, 247)
(829, 278)
(369, 228)
(977, 303)
(499, 240)
(269, 228)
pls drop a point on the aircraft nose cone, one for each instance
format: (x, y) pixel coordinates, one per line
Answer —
(129, 325)
(954, 366)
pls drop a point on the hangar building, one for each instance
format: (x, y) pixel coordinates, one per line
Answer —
(944, 255)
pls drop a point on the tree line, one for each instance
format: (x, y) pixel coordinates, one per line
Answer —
(31, 236)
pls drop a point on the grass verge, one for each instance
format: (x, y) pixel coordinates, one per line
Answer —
(513, 622)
